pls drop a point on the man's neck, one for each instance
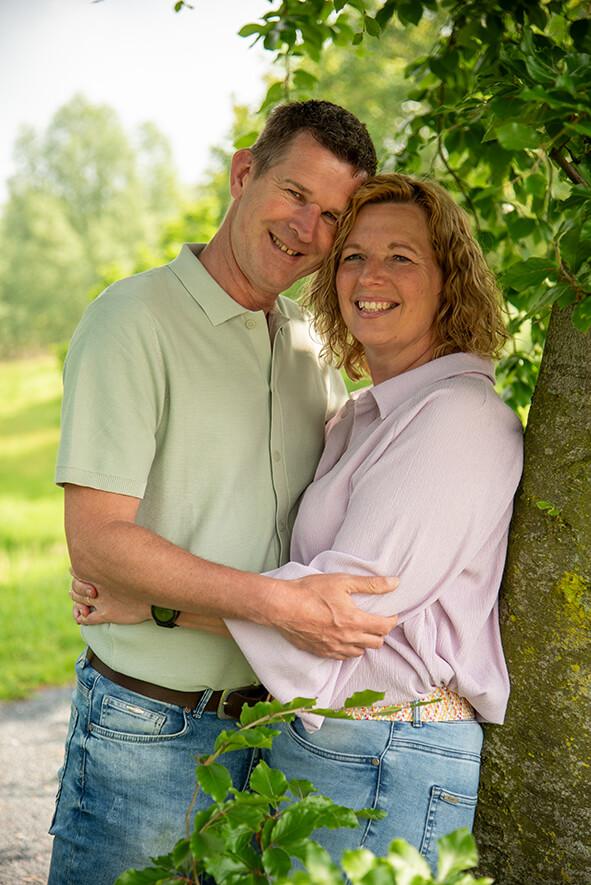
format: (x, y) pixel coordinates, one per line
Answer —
(226, 273)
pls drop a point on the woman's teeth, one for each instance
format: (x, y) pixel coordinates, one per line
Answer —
(375, 306)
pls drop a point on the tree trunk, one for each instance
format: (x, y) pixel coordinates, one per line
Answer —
(533, 823)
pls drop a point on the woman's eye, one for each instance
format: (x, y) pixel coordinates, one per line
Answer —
(400, 258)
(354, 256)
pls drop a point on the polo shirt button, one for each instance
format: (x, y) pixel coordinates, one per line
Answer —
(281, 526)
(375, 761)
(251, 324)
(277, 455)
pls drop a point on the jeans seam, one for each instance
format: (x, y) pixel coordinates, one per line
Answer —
(376, 798)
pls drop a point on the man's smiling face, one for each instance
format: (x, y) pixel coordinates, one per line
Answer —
(283, 222)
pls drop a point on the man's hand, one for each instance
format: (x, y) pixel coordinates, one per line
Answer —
(320, 616)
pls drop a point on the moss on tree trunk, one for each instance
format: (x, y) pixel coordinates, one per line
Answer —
(533, 823)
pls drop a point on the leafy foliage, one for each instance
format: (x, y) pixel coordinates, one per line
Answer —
(499, 110)
(255, 836)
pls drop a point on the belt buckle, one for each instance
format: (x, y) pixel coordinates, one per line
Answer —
(221, 713)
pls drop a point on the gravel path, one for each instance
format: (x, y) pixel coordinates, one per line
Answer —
(32, 735)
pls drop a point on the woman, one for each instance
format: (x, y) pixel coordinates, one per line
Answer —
(417, 479)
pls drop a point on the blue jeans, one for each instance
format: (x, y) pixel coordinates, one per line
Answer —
(128, 779)
(424, 774)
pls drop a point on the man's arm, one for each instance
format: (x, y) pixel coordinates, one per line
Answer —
(108, 548)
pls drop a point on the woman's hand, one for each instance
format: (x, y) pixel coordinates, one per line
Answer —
(97, 605)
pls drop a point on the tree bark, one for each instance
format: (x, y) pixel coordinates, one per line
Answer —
(533, 822)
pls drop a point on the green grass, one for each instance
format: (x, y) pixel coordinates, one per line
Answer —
(39, 640)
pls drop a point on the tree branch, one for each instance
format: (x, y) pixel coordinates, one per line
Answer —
(567, 168)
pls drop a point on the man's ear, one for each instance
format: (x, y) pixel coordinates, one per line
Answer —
(242, 163)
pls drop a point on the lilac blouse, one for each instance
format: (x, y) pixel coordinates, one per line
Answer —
(417, 480)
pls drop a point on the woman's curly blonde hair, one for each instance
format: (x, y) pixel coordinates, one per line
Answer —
(471, 315)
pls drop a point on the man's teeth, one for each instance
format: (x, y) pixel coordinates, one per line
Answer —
(375, 306)
(283, 247)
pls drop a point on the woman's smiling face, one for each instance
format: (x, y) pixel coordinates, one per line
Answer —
(388, 284)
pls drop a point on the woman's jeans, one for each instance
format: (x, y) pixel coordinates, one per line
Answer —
(424, 774)
(128, 779)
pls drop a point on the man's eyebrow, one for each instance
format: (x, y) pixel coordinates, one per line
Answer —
(297, 186)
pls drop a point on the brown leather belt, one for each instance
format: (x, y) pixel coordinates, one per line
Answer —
(227, 703)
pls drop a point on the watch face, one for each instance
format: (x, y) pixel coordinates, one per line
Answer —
(164, 617)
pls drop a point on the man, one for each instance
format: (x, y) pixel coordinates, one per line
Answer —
(194, 408)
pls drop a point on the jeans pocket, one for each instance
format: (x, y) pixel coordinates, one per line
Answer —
(448, 811)
(123, 715)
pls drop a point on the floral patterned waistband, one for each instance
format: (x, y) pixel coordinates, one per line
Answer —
(442, 705)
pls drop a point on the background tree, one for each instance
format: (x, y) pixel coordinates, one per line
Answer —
(501, 114)
(85, 198)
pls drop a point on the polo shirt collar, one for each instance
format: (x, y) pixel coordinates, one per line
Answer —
(215, 302)
(391, 393)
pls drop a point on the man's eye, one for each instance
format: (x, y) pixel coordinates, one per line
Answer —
(295, 194)
(330, 217)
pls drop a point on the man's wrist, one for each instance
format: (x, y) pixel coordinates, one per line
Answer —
(164, 617)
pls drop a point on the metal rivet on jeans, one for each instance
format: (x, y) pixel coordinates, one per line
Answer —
(375, 761)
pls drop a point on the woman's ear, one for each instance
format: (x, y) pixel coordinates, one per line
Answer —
(242, 163)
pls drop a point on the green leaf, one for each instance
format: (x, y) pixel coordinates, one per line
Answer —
(296, 823)
(517, 136)
(249, 30)
(276, 861)
(357, 864)
(582, 315)
(457, 852)
(575, 246)
(409, 13)
(299, 788)
(261, 710)
(268, 782)
(372, 26)
(215, 780)
(181, 855)
(532, 272)
(364, 698)
(246, 141)
(304, 80)
(405, 857)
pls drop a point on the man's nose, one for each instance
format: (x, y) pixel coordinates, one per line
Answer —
(305, 222)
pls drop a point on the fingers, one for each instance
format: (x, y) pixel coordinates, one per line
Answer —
(81, 604)
(82, 588)
(359, 584)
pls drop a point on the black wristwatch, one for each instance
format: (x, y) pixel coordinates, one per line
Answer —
(165, 617)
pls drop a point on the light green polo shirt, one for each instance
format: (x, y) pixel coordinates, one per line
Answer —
(173, 393)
